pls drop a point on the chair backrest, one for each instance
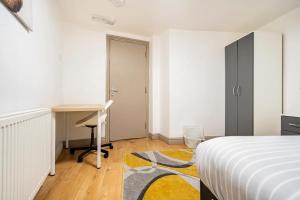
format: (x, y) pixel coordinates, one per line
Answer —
(92, 118)
(108, 104)
(103, 118)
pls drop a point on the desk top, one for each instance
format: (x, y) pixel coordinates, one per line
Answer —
(78, 108)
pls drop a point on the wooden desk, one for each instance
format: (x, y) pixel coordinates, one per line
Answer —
(75, 108)
(78, 108)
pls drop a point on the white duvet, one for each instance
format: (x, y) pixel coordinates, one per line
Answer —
(251, 168)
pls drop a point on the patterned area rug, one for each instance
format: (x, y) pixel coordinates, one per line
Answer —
(163, 175)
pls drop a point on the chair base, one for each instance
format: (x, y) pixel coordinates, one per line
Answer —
(108, 145)
(89, 149)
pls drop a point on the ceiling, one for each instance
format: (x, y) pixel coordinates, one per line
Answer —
(152, 16)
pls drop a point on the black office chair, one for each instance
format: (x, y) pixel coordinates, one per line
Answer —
(91, 122)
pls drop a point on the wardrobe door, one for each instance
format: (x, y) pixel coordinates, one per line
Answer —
(245, 85)
(231, 71)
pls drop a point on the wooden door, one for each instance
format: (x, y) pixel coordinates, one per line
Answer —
(128, 89)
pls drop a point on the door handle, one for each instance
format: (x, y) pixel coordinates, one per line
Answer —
(239, 90)
(114, 91)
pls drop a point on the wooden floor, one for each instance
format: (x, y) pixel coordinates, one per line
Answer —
(83, 181)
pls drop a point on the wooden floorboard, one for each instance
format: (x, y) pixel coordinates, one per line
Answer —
(77, 181)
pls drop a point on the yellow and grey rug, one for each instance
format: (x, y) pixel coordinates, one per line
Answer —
(161, 175)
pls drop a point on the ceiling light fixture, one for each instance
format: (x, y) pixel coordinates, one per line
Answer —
(105, 20)
(118, 3)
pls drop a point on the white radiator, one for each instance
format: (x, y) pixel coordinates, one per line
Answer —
(25, 144)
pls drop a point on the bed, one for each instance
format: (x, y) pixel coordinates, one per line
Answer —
(250, 168)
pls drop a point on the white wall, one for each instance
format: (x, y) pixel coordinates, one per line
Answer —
(154, 84)
(84, 71)
(196, 75)
(186, 73)
(289, 26)
(197, 80)
(267, 79)
(191, 80)
(83, 74)
(30, 68)
(84, 65)
(164, 78)
(160, 84)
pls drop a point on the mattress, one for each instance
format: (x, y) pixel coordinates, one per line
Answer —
(251, 168)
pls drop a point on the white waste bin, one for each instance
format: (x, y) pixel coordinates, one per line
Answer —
(193, 135)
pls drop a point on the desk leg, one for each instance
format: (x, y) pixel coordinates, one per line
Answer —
(67, 129)
(99, 135)
(53, 134)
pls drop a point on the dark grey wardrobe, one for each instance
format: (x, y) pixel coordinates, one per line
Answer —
(253, 79)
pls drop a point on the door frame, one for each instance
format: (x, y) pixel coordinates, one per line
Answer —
(109, 38)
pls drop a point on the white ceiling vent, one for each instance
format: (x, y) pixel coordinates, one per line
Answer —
(105, 20)
(118, 3)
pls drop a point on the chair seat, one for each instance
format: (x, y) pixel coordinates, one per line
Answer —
(90, 120)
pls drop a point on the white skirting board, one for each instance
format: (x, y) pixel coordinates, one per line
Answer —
(25, 149)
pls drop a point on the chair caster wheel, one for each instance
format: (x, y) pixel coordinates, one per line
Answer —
(79, 160)
(111, 147)
(105, 156)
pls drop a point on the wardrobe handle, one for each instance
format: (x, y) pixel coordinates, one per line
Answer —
(239, 90)
(294, 125)
(233, 91)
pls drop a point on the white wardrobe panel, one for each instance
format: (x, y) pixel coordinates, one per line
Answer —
(267, 83)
